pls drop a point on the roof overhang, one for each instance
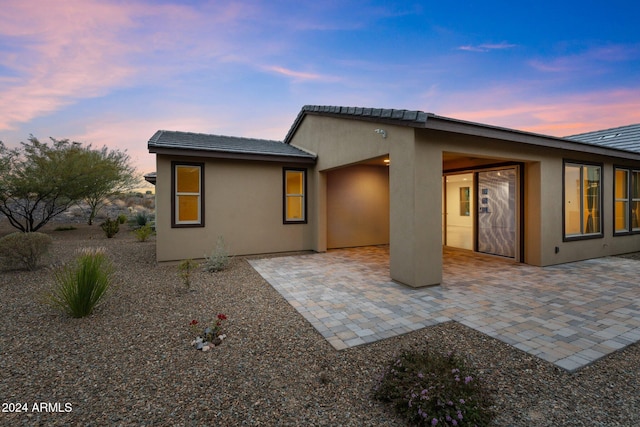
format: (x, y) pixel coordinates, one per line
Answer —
(151, 177)
(219, 154)
(447, 124)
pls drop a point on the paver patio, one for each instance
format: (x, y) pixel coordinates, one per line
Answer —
(569, 314)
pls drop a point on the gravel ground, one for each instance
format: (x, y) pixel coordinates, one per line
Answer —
(130, 363)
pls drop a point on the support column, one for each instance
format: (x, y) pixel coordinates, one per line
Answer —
(415, 213)
(320, 212)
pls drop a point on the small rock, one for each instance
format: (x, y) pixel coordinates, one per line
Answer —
(205, 348)
(199, 346)
(216, 341)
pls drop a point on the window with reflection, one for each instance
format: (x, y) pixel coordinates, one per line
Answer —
(626, 201)
(187, 182)
(295, 208)
(582, 200)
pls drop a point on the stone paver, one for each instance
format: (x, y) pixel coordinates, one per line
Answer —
(568, 314)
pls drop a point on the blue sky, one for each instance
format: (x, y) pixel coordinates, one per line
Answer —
(113, 72)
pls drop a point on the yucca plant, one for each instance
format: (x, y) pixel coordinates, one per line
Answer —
(82, 284)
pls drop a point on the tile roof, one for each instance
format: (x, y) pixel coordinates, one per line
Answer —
(212, 144)
(617, 141)
(622, 138)
(406, 117)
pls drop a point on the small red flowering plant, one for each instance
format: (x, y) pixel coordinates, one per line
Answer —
(208, 335)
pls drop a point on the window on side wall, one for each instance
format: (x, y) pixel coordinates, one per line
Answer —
(294, 189)
(627, 201)
(187, 205)
(582, 207)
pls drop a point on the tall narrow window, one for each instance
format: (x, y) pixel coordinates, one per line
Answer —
(635, 200)
(621, 208)
(187, 182)
(582, 201)
(294, 196)
(627, 201)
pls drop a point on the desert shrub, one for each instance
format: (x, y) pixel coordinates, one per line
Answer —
(24, 250)
(143, 233)
(122, 218)
(185, 268)
(140, 219)
(219, 258)
(110, 227)
(82, 284)
(432, 389)
(65, 228)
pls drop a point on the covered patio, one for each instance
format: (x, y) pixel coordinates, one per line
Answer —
(569, 314)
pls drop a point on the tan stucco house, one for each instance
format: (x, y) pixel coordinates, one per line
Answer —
(346, 177)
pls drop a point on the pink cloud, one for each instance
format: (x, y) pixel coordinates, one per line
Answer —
(64, 52)
(298, 75)
(61, 52)
(559, 115)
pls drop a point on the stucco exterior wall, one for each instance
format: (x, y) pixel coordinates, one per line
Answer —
(577, 250)
(243, 204)
(543, 194)
(414, 213)
(343, 142)
(358, 206)
(339, 142)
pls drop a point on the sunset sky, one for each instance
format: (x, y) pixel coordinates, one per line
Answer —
(113, 72)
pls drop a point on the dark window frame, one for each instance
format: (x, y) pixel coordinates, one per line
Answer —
(600, 234)
(174, 223)
(630, 170)
(284, 195)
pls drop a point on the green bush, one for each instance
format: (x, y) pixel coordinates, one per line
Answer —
(432, 389)
(219, 258)
(24, 249)
(122, 218)
(143, 233)
(110, 227)
(82, 284)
